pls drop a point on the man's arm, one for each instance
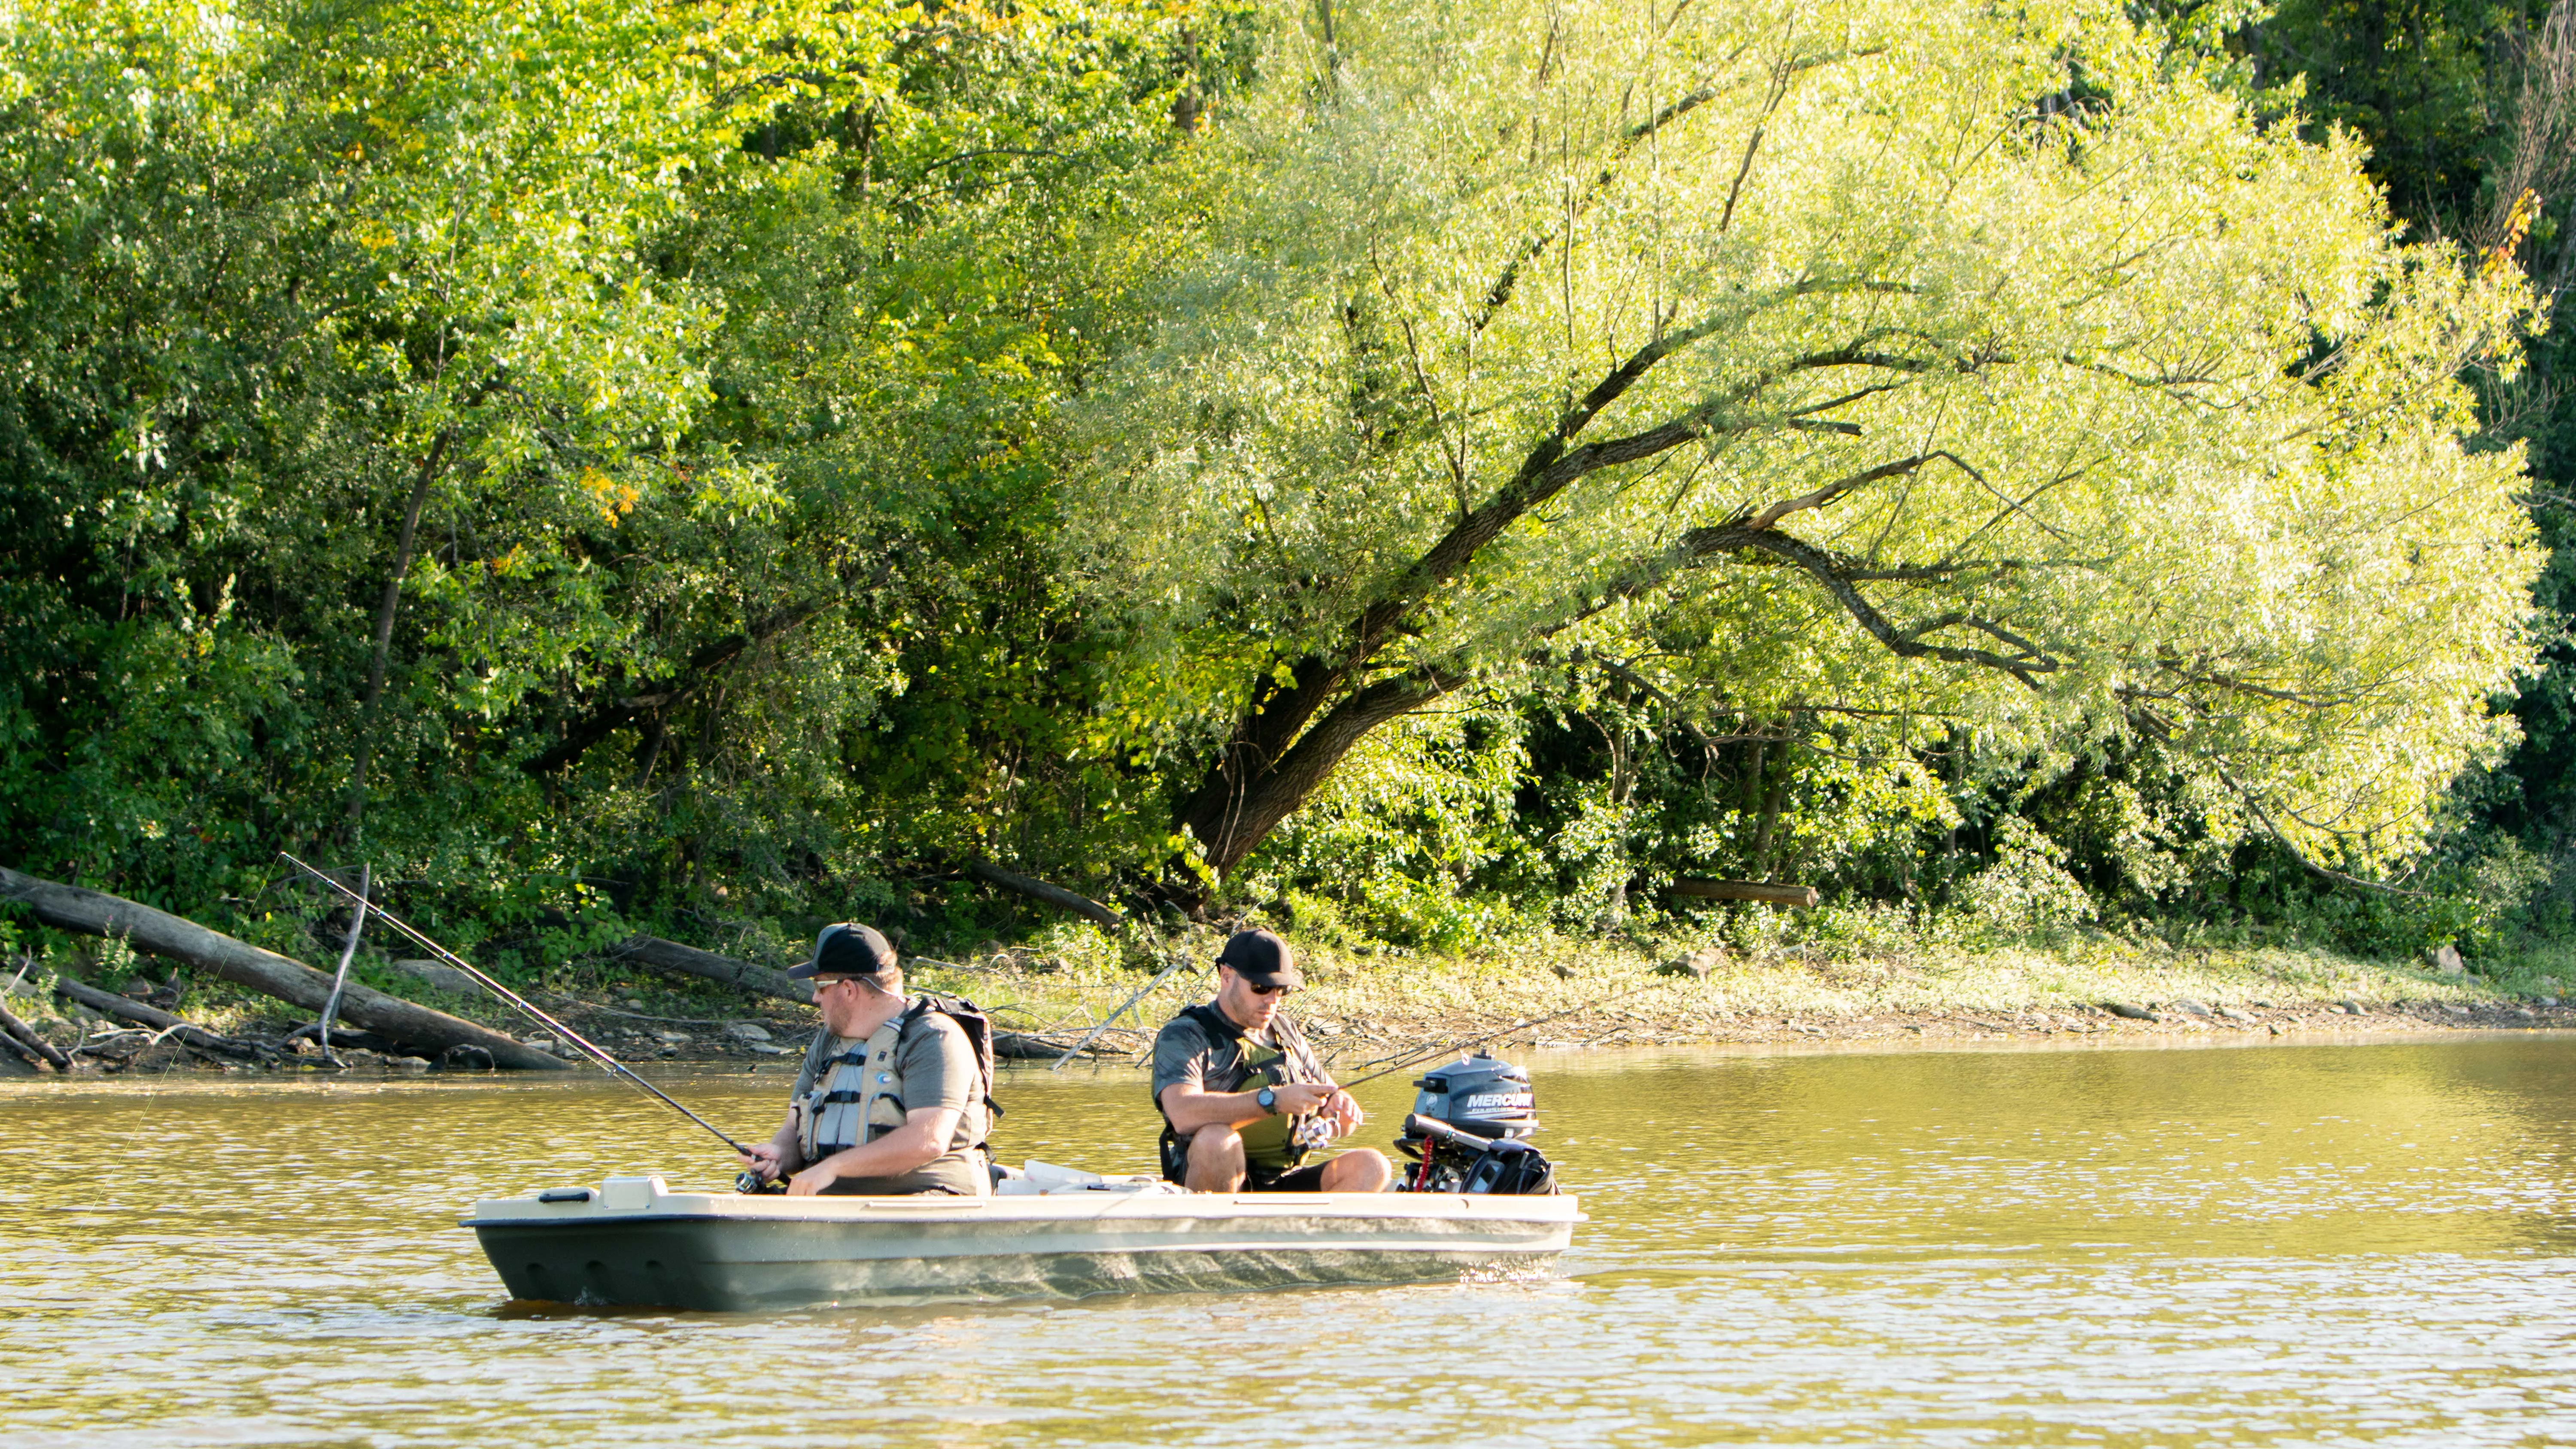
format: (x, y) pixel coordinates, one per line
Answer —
(783, 1153)
(923, 1137)
(773, 1158)
(1190, 1107)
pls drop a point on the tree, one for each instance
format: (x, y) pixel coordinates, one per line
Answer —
(298, 291)
(399, 401)
(1909, 357)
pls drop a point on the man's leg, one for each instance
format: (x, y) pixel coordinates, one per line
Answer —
(1216, 1160)
(1362, 1169)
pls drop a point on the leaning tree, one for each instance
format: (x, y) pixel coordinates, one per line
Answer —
(2001, 362)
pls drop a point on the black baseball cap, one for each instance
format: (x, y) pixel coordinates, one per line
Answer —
(1262, 959)
(847, 948)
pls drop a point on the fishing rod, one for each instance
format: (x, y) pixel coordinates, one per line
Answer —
(1410, 1059)
(615, 1068)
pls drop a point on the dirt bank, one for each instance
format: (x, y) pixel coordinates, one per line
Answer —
(1363, 1017)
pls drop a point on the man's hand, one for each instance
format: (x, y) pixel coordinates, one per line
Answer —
(811, 1181)
(1330, 1103)
(766, 1158)
(1298, 1097)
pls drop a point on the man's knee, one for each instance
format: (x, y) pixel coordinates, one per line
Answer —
(1216, 1159)
(1363, 1169)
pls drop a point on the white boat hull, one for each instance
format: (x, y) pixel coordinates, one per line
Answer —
(636, 1243)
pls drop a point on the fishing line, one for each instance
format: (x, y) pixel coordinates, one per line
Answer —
(1412, 1059)
(615, 1068)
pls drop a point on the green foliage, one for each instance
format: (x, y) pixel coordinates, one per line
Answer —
(711, 353)
(2107, 423)
(836, 442)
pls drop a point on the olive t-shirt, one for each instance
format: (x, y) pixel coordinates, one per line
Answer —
(939, 1070)
(1184, 1052)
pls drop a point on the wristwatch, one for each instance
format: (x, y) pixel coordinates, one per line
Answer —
(1268, 1099)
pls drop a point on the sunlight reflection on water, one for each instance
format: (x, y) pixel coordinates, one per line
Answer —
(2366, 1244)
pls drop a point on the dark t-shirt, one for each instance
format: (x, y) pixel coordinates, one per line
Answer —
(939, 1070)
(1184, 1052)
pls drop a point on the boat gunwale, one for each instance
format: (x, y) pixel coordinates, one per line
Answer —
(1033, 1209)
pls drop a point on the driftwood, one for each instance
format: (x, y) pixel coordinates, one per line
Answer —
(30, 1045)
(1798, 896)
(126, 1008)
(364, 1041)
(1030, 1047)
(1038, 890)
(664, 955)
(73, 908)
(348, 953)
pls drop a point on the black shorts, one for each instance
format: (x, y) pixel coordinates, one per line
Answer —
(1309, 1178)
(1256, 1178)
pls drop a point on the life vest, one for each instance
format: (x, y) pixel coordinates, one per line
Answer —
(858, 1094)
(1275, 1142)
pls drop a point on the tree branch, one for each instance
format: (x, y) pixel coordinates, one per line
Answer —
(1499, 295)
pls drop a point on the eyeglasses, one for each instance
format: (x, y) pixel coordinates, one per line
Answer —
(1282, 991)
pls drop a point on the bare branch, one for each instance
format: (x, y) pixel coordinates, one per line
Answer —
(1772, 513)
(1499, 295)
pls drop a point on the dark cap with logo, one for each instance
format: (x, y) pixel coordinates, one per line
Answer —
(1262, 959)
(847, 949)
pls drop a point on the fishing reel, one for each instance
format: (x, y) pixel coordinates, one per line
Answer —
(750, 1183)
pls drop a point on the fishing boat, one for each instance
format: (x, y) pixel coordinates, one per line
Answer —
(1480, 1199)
(1046, 1232)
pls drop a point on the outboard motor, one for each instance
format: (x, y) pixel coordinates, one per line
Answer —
(1469, 1131)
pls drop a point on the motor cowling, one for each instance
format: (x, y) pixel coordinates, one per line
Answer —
(1469, 1131)
(1482, 1094)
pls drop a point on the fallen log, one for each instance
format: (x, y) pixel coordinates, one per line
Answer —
(1796, 896)
(664, 955)
(1038, 890)
(30, 1045)
(75, 908)
(126, 1008)
(1029, 1047)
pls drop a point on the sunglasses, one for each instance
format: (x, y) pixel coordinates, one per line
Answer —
(1258, 990)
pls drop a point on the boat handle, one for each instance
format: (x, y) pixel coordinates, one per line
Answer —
(564, 1194)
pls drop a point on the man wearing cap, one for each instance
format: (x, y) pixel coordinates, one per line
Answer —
(1242, 1098)
(892, 1096)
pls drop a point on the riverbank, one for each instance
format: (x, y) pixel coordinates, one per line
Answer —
(1361, 1009)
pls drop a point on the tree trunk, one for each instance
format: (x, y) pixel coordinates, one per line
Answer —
(1623, 782)
(1767, 836)
(1804, 897)
(1038, 890)
(671, 956)
(1244, 798)
(72, 908)
(108, 1003)
(1269, 726)
(385, 611)
(34, 1046)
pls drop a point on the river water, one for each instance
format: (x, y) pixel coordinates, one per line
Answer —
(2312, 1244)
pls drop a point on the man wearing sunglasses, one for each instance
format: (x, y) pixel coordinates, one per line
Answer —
(1243, 1100)
(896, 1093)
